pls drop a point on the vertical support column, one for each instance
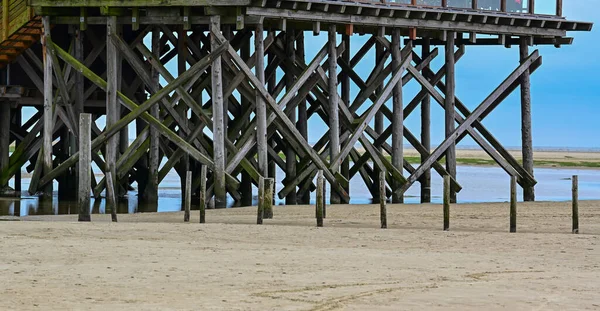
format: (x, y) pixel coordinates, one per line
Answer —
(218, 119)
(4, 137)
(246, 184)
(398, 117)
(18, 114)
(48, 120)
(575, 204)
(290, 155)
(261, 108)
(334, 117)
(447, 191)
(345, 169)
(449, 109)
(112, 105)
(513, 204)
(382, 199)
(302, 123)
(426, 131)
(526, 136)
(188, 196)
(182, 109)
(271, 84)
(202, 196)
(85, 163)
(379, 52)
(150, 193)
(320, 204)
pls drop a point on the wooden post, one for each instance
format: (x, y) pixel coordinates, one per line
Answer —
(188, 196)
(246, 184)
(218, 119)
(290, 155)
(446, 202)
(111, 200)
(150, 193)
(271, 86)
(449, 109)
(334, 118)
(526, 134)
(345, 169)
(302, 124)
(18, 119)
(203, 194)
(268, 200)
(324, 198)
(397, 118)
(48, 114)
(475, 4)
(261, 107)
(575, 199)
(320, 199)
(513, 204)
(382, 200)
(182, 53)
(426, 130)
(559, 8)
(4, 138)
(261, 201)
(444, 3)
(112, 105)
(379, 53)
(503, 5)
(531, 6)
(85, 163)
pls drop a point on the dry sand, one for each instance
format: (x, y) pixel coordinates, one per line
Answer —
(156, 262)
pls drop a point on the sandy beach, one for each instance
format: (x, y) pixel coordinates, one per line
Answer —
(157, 262)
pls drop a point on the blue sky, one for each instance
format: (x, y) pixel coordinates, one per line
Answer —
(564, 89)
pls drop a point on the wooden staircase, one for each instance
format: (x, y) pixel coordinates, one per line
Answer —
(20, 29)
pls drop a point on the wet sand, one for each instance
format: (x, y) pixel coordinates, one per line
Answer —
(156, 262)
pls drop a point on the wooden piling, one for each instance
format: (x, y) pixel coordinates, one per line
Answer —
(426, 130)
(85, 163)
(48, 113)
(575, 203)
(261, 107)
(526, 134)
(397, 119)
(4, 137)
(246, 184)
(188, 196)
(446, 202)
(345, 88)
(218, 119)
(112, 105)
(111, 199)
(450, 110)
(261, 201)
(513, 204)
(379, 53)
(382, 200)
(302, 124)
(320, 201)
(334, 116)
(290, 155)
(268, 200)
(203, 194)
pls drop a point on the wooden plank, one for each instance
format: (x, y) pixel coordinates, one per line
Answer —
(137, 3)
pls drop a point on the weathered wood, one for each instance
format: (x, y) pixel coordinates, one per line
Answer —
(449, 109)
(4, 138)
(188, 196)
(261, 108)
(398, 117)
(526, 131)
(48, 104)
(302, 123)
(345, 96)
(575, 204)
(380, 57)
(447, 190)
(334, 118)
(261, 201)
(513, 204)
(112, 105)
(202, 196)
(246, 185)
(382, 200)
(150, 194)
(268, 199)
(111, 199)
(218, 119)
(85, 164)
(426, 130)
(320, 200)
(290, 155)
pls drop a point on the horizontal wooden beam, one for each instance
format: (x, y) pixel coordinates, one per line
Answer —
(135, 3)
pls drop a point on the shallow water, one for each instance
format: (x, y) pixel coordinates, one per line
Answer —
(480, 184)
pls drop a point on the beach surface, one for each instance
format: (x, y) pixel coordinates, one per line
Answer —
(157, 262)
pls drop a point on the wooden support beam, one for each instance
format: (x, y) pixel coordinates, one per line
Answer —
(334, 121)
(48, 104)
(345, 100)
(426, 127)
(526, 130)
(380, 58)
(290, 155)
(85, 165)
(302, 124)
(150, 194)
(450, 110)
(397, 118)
(218, 119)
(4, 139)
(246, 185)
(261, 108)
(112, 105)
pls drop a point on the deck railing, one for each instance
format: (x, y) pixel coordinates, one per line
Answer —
(518, 6)
(15, 14)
